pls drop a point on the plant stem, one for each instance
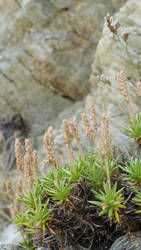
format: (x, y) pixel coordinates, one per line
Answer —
(107, 172)
(70, 155)
(125, 47)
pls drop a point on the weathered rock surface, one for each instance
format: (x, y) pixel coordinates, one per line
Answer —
(10, 247)
(50, 43)
(46, 51)
(132, 242)
(110, 59)
(10, 235)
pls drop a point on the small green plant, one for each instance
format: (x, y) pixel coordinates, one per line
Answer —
(111, 201)
(27, 244)
(75, 173)
(31, 198)
(100, 160)
(137, 200)
(51, 210)
(57, 184)
(94, 173)
(133, 168)
(134, 128)
(61, 191)
(35, 212)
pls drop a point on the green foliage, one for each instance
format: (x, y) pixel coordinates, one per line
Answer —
(77, 171)
(95, 174)
(57, 184)
(110, 201)
(134, 127)
(35, 212)
(99, 159)
(34, 218)
(27, 244)
(61, 191)
(30, 199)
(137, 200)
(50, 180)
(133, 168)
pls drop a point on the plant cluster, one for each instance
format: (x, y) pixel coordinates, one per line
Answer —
(63, 207)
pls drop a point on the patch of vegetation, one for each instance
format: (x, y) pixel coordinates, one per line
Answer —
(88, 202)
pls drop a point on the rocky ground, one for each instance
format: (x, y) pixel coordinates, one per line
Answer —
(51, 55)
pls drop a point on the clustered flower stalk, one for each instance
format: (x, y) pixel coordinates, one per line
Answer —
(121, 38)
(89, 131)
(124, 92)
(106, 145)
(68, 140)
(113, 26)
(74, 130)
(50, 150)
(28, 165)
(15, 206)
(93, 114)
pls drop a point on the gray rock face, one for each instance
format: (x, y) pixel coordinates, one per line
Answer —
(10, 247)
(132, 242)
(46, 50)
(110, 59)
(10, 235)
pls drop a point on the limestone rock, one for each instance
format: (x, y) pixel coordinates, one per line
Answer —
(110, 59)
(10, 246)
(132, 242)
(10, 235)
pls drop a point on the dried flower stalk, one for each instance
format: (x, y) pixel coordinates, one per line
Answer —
(106, 144)
(10, 190)
(89, 131)
(35, 168)
(124, 92)
(68, 140)
(19, 158)
(19, 187)
(12, 210)
(27, 180)
(93, 114)
(105, 135)
(74, 130)
(138, 85)
(49, 146)
(50, 150)
(28, 148)
(15, 208)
